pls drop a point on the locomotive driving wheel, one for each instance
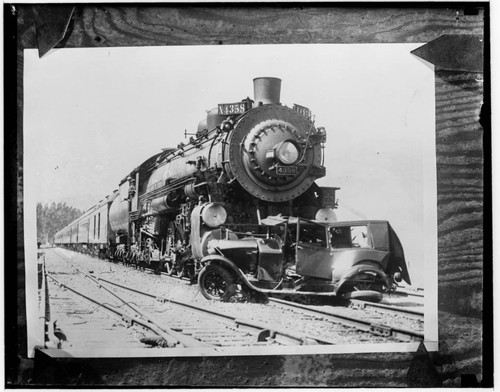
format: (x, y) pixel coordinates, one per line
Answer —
(168, 267)
(179, 270)
(173, 268)
(216, 283)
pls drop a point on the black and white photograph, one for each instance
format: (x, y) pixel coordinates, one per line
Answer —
(202, 180)
(259, 201)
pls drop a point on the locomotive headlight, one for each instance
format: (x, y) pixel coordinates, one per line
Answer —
(287, 152)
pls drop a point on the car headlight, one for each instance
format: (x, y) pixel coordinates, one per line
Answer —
(287, 152)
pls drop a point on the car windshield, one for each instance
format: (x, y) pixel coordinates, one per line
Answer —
(350, 237)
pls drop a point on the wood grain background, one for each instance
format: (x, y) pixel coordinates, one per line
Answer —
(460, 151)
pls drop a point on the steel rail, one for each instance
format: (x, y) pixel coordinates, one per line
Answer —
(171, 337)
(261, 330)
(96, 282)
(409, 313)
(409, 292)
(186, 341)
(362, 325)
(44, 306)
(373, 328)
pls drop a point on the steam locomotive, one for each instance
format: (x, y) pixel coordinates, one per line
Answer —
(220, 209)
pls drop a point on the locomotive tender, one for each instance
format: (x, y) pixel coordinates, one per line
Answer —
(199, 209)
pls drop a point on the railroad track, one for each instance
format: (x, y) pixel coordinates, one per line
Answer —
(387, 309)
(409, 292)
(365, 323)
(263, 333)
(179, 324)
(135, 317)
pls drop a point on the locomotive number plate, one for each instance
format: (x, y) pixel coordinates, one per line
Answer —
(232, 108)
(286, 170)
(302, 110)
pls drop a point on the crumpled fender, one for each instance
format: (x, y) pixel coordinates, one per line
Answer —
(363, 268)
(221, 260)
(225, 262)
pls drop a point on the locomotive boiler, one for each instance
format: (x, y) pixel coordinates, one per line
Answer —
(247, 161)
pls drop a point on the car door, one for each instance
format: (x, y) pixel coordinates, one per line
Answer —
(313, 256)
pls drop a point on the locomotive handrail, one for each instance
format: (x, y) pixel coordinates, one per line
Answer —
(307, 142)
(172, 154)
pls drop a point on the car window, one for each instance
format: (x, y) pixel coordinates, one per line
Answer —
(340, 237)
(350, 237)
(313, 234)
(359, 237)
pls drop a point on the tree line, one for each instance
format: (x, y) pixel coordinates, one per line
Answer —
(50, 218)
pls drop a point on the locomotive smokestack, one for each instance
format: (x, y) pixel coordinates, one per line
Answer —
(266, 90)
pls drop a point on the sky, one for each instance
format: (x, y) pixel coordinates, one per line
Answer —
(91, 115)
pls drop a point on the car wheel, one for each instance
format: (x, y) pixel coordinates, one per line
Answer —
(216, 283)
(365, 295)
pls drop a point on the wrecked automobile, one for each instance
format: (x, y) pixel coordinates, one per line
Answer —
(355, 259)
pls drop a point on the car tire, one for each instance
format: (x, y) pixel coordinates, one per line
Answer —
(216, 283)
(364, 295)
